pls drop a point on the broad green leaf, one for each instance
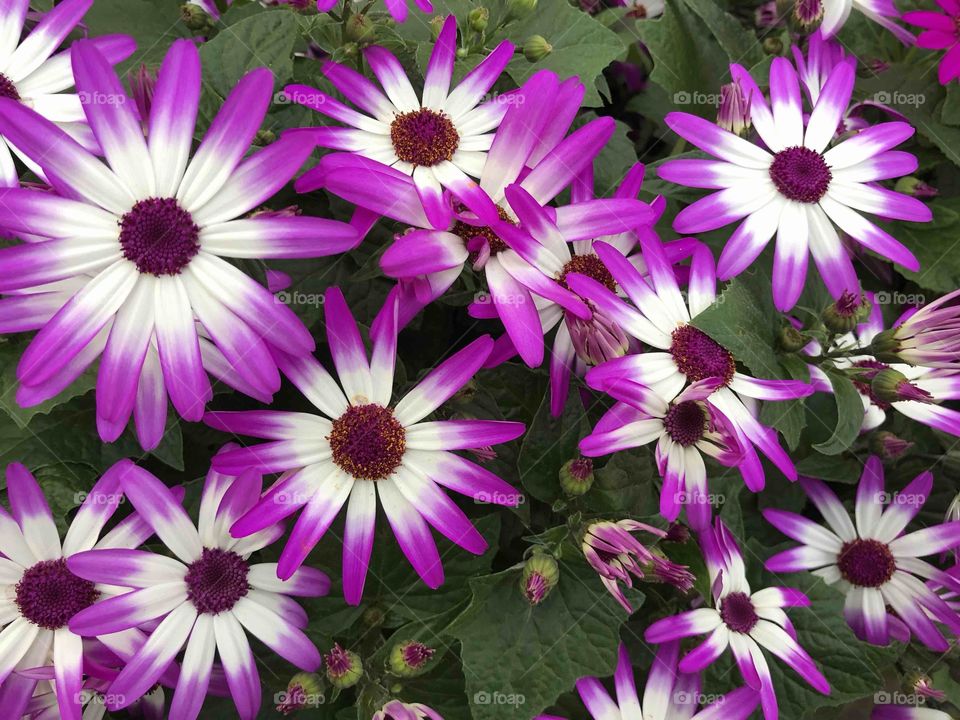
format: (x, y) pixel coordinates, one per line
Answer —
(849, 415)
(548, 444)
(935, 244)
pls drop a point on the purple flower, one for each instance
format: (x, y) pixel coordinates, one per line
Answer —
(659, 317)
(618, 557)
(668, 693)
(872, 561)
(360, 447)
(745, 622)
(941, 31)
(206, 599)
(882, 12)
(36, 77)
(132, 270)
(397, 710)
(794, 187)
(44, 592)
(398, 8)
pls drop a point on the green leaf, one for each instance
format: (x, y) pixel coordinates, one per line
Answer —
(581, 45)
(789, 416)
(518, 659)
(849, 415)
(548, 444)
(625, 485)
(154, 24)
(831, 468)
(936, 245)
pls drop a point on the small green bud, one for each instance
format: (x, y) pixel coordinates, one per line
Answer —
(536, 48)
(344, 667)
(360, 28)
(890, 385)
(196, 18)
(773, 46)
(885, 346)
(540, 575)
(374, 616)
(410, 658)
(264, 137)
(915, 187)
(790, 339)
(576, 476)
(843, 315)
(350, 49)
(305, 690)
(462, 52)
(436, 25)
(888, 446)
(519, 9)
(478, 19)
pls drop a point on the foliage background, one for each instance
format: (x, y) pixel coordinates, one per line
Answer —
(489, 640)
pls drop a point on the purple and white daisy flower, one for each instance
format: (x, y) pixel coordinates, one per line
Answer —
(684, 428)
(136, 246)
(882, 12)
(659, 317)
(941, 31)
(360, 447)
(872, 562)
(31, 74)
(397, 710)
(746, 622)
(398, 8)
(530, 148)
(668, 694)
(795, 187)
(915, 390)
(207, 598)
(441, 138)
(41, 593)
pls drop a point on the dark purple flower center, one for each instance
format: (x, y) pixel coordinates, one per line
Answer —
(159, 236)
(48, 594)
(808, 12)
(737, 612)
(698, 356)
(468, 232)
(685, 422)
(368, 442)
(424, 137)
(864, 381)
(800, 174)
(866, 563)
(339, 661)
(416, 654)
(217, 580)
(591, 266)
(7, 88)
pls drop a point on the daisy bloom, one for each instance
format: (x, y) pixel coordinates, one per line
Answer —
(580, 342)
(684, 429)
(668, 694)
(795, 187)
(531, 147)
(872, 562)
(745, 622)
(616, 555)
(398, 8)
(360, 447)
(941, 31)
(914, 390)
(440, 138)
(659, 317)
(41, 593)
(207, 597)
(396, 710)
(136, 243)
(33, 75)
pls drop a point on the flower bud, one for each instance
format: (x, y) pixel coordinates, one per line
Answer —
(843, 315)
(890, 385)
(360, 28)
(773, 45)
(478, 19)
(888, 446)
(519, 9)
(142, 85)
(806, 15)
(734, 111)
(344, 668)
(410, 658)
(791, 340)
(917, 188)
(540, 575)
(536, 48)
(305, 690)
(436, 25)
(196, 18)
(918, 683)
(576, 476)
(677, 533)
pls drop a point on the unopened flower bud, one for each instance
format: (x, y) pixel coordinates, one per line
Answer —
(436, 25)
(791, 340)
(410, 658)
(536, 48)
(196, 18)
(540, 575)
(478, 19)
(918, 683)
(142, 85)
(576, 476)
(344, 668)
(888, 446)
(264, 138)
(661, 569)
(806, 15)
(734, 111)
(677, 533)
(519, 9)
(890, 385)
(916, 187)
(360, 28)
(773, 45)
(843, 315)
(305, 690)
